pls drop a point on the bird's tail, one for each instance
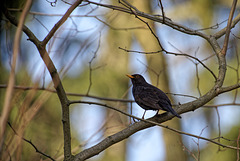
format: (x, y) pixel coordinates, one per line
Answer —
(174, 113)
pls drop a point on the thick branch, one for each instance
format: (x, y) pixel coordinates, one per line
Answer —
(153, 122)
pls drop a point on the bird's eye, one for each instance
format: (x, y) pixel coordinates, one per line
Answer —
(137, 76)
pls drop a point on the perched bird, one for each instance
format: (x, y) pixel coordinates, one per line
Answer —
(150, 97)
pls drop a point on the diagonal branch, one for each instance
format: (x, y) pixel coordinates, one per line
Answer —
(154, 18)
(130, 130)
(228, 29)
(222, 32)
(30, 142)
(61, 21)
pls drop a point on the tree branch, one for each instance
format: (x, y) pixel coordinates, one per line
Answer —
(131, 129)
(222, 32)
(228, 29)
(172, 53)
(61, 21)
(166, 21)
(30, 142)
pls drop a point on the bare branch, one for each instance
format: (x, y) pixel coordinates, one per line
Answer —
(216, 26)
(60, 22)
(226, 40)
(198, 80)
(90, 65)
(172, 53)
(30, 142)
(229, 88)
(222, 32)
(163, 13)
(222, 90)
(128, 5)
(70, 94)
(238, 140)
(221, 105)
(125, 133)
(198, 143)
(118, 28)
(154, 18)
(219, 126)
(192, 154)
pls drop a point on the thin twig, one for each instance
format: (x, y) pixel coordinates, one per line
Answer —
(216, 26)
(90, 65)
(225, 89)
(61, 21)
(167, 22)
(238, 140)
(192, 154)
(172, 53)
(198, 143)
(220, 33)
(219, 127)
(198, 80)
(128, 5)
(30, 142)
(163, 13)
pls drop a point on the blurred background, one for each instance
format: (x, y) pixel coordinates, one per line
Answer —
(86, 51)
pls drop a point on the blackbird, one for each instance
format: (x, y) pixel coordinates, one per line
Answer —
(150, 97)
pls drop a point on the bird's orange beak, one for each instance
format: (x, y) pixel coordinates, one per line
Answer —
(130, 76)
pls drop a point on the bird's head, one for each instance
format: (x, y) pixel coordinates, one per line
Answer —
(137, 79)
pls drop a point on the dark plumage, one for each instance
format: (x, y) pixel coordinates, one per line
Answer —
(150, 97)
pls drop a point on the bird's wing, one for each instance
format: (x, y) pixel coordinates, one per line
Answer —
(147, 97)
(152, 98)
